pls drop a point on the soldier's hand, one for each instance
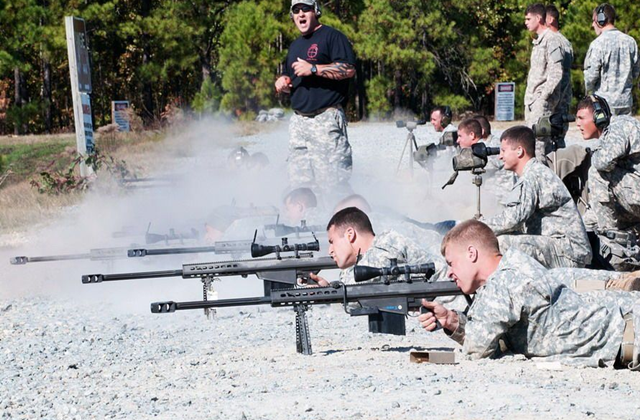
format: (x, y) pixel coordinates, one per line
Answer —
(321, 281)
(301, 68)
(283, 84)
(436, 312)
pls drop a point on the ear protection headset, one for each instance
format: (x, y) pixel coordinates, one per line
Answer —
(601, 112)
(447, 115)
(316, 10)
(601, 18)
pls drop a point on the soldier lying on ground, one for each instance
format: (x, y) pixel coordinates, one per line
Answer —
(352, 241)
(540, 217)
(519, 307)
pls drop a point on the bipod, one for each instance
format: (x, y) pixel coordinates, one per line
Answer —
(303, 339)
(206, 289)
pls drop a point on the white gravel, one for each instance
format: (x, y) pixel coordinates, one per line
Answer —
(72, 351)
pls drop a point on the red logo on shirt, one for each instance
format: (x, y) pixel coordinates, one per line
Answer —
(312, 52)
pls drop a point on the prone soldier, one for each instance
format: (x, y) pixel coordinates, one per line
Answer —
(521, 306)
(352, 241)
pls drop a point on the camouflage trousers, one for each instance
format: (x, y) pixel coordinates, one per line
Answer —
(319, 150)
(614, 199)
(548, 251)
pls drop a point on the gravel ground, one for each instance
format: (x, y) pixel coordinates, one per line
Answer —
(72, 351)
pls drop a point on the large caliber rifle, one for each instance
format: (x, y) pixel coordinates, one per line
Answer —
(231, 247)
(276, 273)
(105, 254)
(400, 290)
(280, 229)
(98, 254)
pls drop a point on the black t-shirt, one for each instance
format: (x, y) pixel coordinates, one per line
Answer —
(323, 46)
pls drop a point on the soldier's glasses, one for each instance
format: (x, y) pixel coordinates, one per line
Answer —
(305, 8)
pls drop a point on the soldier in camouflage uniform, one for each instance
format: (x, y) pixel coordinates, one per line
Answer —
(319, 64)
(553, 23)
(540, 217)
(614, 176)
(612, 63)
(352, 241)
(544, 90)
(519, 307)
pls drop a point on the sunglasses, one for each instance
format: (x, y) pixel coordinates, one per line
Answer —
(305, 9)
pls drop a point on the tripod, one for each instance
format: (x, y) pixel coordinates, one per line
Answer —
(410, 142)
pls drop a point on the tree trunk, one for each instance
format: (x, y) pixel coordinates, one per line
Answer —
(147, 88)
(20, 99)
(46, 95)
(397, 96)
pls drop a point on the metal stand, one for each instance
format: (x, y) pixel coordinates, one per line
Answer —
(413, 146)
(303, 339)
(206, 289)
(477, 181)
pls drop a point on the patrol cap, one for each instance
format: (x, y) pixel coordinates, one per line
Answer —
(312, 3)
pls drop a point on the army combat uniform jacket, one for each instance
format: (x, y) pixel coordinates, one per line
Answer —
(541, 210)
(537, 315)
(614, 176)
(543, 92)
(390, 244)
(610, 67)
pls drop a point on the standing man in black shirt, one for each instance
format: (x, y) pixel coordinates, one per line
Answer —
(319, 64)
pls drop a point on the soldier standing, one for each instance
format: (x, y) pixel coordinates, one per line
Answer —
(614, 176)
(532, 311)
(611, 64)
(319, 64)
(543, 94)
(540, 217)
(553, 22)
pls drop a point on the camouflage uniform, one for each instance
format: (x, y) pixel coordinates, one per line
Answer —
(390, 244)
(565, 84)
(319, 150)
(542, 220)
(499, 181)
(610, 67)
(533, 313)
(614, 176)
(544, 92)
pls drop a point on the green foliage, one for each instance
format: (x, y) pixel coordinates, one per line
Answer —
(224, 55)
(249, 56)
(207, 101)
(55, 182)
(378, 93)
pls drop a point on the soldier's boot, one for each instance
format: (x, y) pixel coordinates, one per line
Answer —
(628, 282)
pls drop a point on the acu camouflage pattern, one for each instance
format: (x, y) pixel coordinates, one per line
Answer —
(614, 176)
(610, 67)
(544, 93)
(499, 181)
(566, 93)
(319, 150)
(541, 219)
(390, 244)
(534, 313)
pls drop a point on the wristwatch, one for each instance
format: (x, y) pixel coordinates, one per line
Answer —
(314, 69)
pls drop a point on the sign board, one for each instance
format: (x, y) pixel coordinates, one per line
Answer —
(505, 101)
(80, 72)
(119, 115)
